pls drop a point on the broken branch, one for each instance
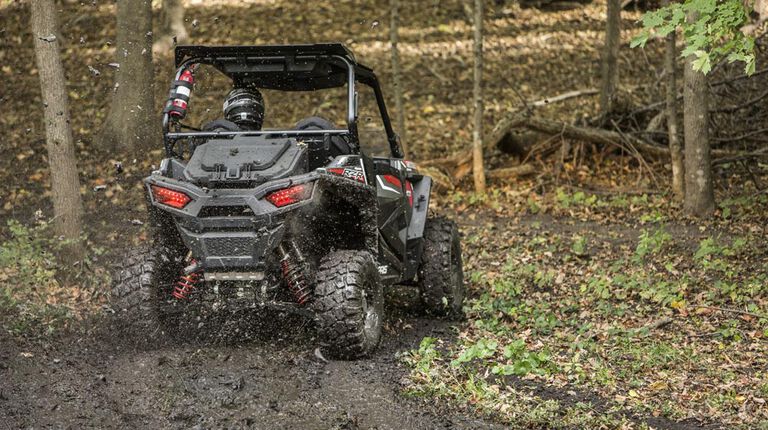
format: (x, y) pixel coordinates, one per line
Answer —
(512, 172)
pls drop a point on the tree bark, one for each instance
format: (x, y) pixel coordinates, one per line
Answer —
(171, 26)
(610, 61)
(394, 39)
(65, 184)
(477, 133)
(132, 123)
(675, 149)
(699, 190)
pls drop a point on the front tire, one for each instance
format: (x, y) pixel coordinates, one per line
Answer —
(349, 303)
(141, 291)
(441, 276)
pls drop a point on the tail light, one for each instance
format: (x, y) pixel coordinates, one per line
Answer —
(409, 192)
(168, 197)
(291, 195)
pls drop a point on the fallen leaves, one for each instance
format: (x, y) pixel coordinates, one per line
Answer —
(648, 343)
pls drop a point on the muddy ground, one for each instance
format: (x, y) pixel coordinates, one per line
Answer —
(103, 378)
(230, 371)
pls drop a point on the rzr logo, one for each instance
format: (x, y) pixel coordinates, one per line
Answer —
(354, 173)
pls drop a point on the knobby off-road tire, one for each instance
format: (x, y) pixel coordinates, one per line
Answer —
(349, 304)
(141, 290)
(441, 276)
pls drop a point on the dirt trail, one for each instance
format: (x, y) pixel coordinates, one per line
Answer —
(277, 381)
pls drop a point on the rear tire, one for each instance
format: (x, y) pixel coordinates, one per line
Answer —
(441, 276)
(141, 290)
(349, 304)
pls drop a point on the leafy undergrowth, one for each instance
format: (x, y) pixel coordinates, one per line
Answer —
(612, 295)
(33, 301)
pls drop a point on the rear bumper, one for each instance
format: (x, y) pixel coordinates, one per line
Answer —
(231, 229)
(232, 249)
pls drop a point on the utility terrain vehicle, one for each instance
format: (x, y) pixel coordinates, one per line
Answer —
(303, 218)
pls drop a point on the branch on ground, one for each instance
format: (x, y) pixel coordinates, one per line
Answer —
(459, 165)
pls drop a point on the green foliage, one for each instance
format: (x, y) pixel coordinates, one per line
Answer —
(651, 243)
(427, 354)
(521, 361)
(481, 349)
(472, 199)
(579, 246)
(27, 278)
(713, 255)
(516, 358)
(578, 198)
(709, 248)
(714, 35)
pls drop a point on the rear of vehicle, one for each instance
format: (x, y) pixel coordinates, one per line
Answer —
(298, 219)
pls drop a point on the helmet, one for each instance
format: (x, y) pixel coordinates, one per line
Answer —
(245, 107)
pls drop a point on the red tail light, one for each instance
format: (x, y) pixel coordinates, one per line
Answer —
(409, 192)
(289, 196)
(168, 197)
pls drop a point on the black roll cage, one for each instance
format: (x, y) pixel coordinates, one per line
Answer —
(354, 73)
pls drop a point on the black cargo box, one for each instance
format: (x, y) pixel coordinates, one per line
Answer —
(245, 161)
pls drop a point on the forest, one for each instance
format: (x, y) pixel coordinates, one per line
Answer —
(578, 193)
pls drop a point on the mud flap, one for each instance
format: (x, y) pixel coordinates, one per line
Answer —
(415, 236)
(359, 195)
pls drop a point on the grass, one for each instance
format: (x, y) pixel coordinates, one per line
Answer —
(450, 380)
(37, 295)
(666, 320)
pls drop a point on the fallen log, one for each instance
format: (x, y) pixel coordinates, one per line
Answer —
(523, 120)
(594, 135)
(599, 135)
(501, 128)
(564, 96)
(512, 172)
(439, 179)
(458, 163)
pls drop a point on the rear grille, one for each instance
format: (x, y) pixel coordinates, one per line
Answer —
(219, 211)
(229, 246)
(234, 184)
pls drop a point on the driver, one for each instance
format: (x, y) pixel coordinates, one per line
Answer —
(243, 111)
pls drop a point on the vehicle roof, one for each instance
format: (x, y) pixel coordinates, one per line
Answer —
(282, 67)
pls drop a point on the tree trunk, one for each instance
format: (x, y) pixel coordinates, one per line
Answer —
(699, 192)
(610, 61)
(675, 149)
(171, 27)
(477, 133)
(393, 37)
(132, 123)
(65, 184)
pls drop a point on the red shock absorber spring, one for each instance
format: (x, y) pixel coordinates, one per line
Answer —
(183, 287)
(293, 273)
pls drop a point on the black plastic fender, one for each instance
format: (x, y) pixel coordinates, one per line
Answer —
(421, 190)
(415, 235)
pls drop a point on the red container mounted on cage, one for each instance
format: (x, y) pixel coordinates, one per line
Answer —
(179, 98)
